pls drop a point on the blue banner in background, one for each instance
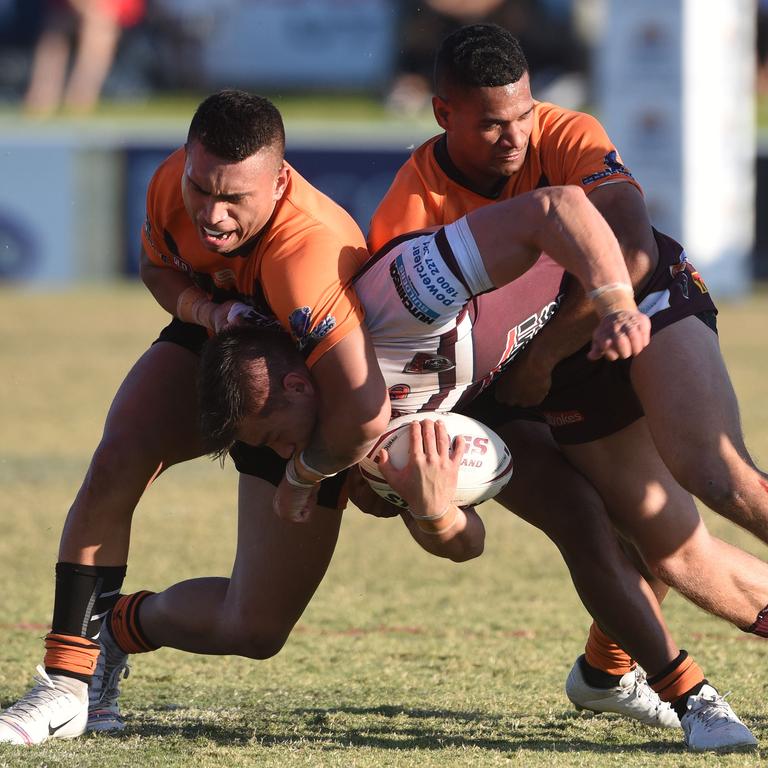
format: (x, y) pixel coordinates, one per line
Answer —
(356, 179)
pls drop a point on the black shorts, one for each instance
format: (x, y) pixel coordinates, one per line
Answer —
(259, 461)
(591, 400)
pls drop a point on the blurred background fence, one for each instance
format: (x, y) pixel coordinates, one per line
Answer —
(94, 93)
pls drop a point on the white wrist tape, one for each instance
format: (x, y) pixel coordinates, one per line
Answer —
(293, 479)
(432, 517)
(612, 297)
(440, 531)
(311, 470)
(609, 288)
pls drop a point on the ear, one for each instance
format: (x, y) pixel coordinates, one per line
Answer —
(281, 181)
(297, 385)
(442, 111)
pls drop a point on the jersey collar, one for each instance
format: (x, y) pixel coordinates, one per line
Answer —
(446, 165)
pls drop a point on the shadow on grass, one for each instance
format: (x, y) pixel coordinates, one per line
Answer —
(399, 728)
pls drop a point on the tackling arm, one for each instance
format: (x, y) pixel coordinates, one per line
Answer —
(528, 380)
(573, 233)
(178, 295)
(353, 410)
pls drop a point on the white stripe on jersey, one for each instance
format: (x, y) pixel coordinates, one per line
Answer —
(463, 244)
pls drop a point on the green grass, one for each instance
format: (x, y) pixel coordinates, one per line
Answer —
(400, 660)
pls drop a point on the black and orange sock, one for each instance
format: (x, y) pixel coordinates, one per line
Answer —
(71, 656)
(760, 627)
(602, 655)
(125, 624)
(84, 594)
(677, 681)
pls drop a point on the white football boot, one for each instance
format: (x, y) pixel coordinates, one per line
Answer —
(56, 708)
(632, 697)
(104, 691)
(710, 724)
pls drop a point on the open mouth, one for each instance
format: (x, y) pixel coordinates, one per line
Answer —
(216, 236)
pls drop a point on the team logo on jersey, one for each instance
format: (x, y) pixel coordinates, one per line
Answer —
(684, 272)
(224, 278)
(423, 362)
(519, 336)
(399, 391)
(300, 323)
(612, 165)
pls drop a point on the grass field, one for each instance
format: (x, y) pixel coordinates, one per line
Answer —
(400, 660)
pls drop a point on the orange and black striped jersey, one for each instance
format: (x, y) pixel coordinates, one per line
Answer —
(565, 147)
(296, 272)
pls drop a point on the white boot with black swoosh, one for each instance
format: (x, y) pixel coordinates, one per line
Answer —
(56, 708)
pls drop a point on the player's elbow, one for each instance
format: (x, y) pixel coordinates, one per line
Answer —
(380, 421)
(561, 202)
(467, 549)
(372, 421)
(460, 544)
(458, 549)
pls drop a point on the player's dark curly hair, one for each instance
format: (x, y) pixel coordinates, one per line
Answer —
(234, 125)
(241, 373)
(478, 56)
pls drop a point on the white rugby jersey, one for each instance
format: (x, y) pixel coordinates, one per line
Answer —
(440, 329)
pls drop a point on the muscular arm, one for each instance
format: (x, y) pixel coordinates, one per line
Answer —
(169, 285)
(353, 410)
(166, 285)
(528, 380)
(354, 403)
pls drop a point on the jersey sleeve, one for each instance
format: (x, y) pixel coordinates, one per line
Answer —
(308, 286)
(152, 238)
(578, 151)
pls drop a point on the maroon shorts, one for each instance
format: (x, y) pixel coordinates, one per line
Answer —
(591, 400)
(258, 461)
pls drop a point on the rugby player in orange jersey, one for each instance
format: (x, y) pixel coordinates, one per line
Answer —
(232, 231)
(500, 142)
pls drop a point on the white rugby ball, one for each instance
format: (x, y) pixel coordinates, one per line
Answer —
(485, 468)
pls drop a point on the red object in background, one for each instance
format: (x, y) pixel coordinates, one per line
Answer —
(126, 12)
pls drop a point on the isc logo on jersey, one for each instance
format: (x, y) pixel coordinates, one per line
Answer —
(485, 468)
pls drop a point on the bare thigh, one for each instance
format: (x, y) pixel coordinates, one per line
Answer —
(693, 416)
(661, 519)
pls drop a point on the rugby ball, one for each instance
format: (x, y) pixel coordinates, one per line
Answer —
(485, 468)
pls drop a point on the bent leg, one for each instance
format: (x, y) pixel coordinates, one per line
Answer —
(661, 520)
(549, 493)
(151, 424)
(693, 416)
(278, 567)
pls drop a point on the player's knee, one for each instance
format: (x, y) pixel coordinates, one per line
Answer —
(725, 481)
(259, 643)
(673, 568)
(721, 492)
